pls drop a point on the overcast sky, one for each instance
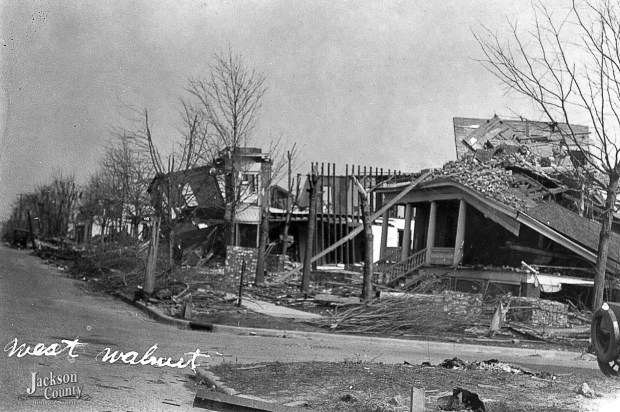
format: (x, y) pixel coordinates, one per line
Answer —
(368, 83)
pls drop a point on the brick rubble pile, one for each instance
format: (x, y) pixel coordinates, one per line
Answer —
(490, 179)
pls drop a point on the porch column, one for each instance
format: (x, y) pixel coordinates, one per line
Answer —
(407, 233)
(384, 234)
(460, 233)
(430, 236)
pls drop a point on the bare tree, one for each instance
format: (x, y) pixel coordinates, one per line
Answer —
(172, 175)
(569, 66)
(55, 204)
(130, 171)
(228, 99)
(98, 204)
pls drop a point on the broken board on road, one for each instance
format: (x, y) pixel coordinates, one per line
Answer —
(207, 399)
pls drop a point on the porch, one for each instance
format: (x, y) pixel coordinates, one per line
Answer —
(431, 241)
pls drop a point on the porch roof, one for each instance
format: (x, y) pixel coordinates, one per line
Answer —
(578, 234)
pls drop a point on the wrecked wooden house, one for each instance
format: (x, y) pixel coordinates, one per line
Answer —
(199, 202)
(480, 221)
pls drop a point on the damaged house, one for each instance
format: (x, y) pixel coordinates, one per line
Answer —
(201, 202)
(502, 218)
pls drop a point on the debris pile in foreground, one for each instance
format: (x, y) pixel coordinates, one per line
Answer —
(411, 314)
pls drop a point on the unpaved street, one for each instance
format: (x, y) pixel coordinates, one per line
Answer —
(38, 304)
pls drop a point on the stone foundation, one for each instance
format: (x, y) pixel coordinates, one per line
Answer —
(235, 256)
(462, 304)
(456, 304)
(275, 263)
(538, 312)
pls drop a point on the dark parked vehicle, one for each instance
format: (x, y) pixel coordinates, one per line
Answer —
(20, 238)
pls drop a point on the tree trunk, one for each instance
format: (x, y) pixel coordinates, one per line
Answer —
(151, 266)
(603, 243)
(289, 211)
(171, 249)
(31, 233)
(287, 225)
(305, 278)
(368, 245)
(262, 246)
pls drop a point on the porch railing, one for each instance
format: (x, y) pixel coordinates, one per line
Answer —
(403, 268)
(392, 256)
(442, 256)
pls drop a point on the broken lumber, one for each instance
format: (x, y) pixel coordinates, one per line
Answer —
(359, 228)
(226, 403)
(336, 300)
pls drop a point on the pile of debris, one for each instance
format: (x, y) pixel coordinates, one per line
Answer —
(489, 365)
(111, 268)
(402, 315)
(55, 249)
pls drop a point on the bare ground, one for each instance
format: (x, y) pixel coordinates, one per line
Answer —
(375, 387)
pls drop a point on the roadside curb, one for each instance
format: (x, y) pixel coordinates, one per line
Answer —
(159, 316)
(208, 378)
(202, 375)
(416, 345)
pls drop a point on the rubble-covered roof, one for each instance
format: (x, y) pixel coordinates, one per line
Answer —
(505, 177)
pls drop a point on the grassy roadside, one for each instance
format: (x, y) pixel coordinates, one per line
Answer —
(355, 386)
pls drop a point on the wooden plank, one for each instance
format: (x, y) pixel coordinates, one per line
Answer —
(339, 300)
(417, 401)
(207, 399)
(360, 228)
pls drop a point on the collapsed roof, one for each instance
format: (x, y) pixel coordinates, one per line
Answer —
(544, 140)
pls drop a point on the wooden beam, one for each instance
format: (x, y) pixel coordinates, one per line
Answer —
(407, 232)
(384, 234)
(535, 251)
(206, 399)
(460, 233)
